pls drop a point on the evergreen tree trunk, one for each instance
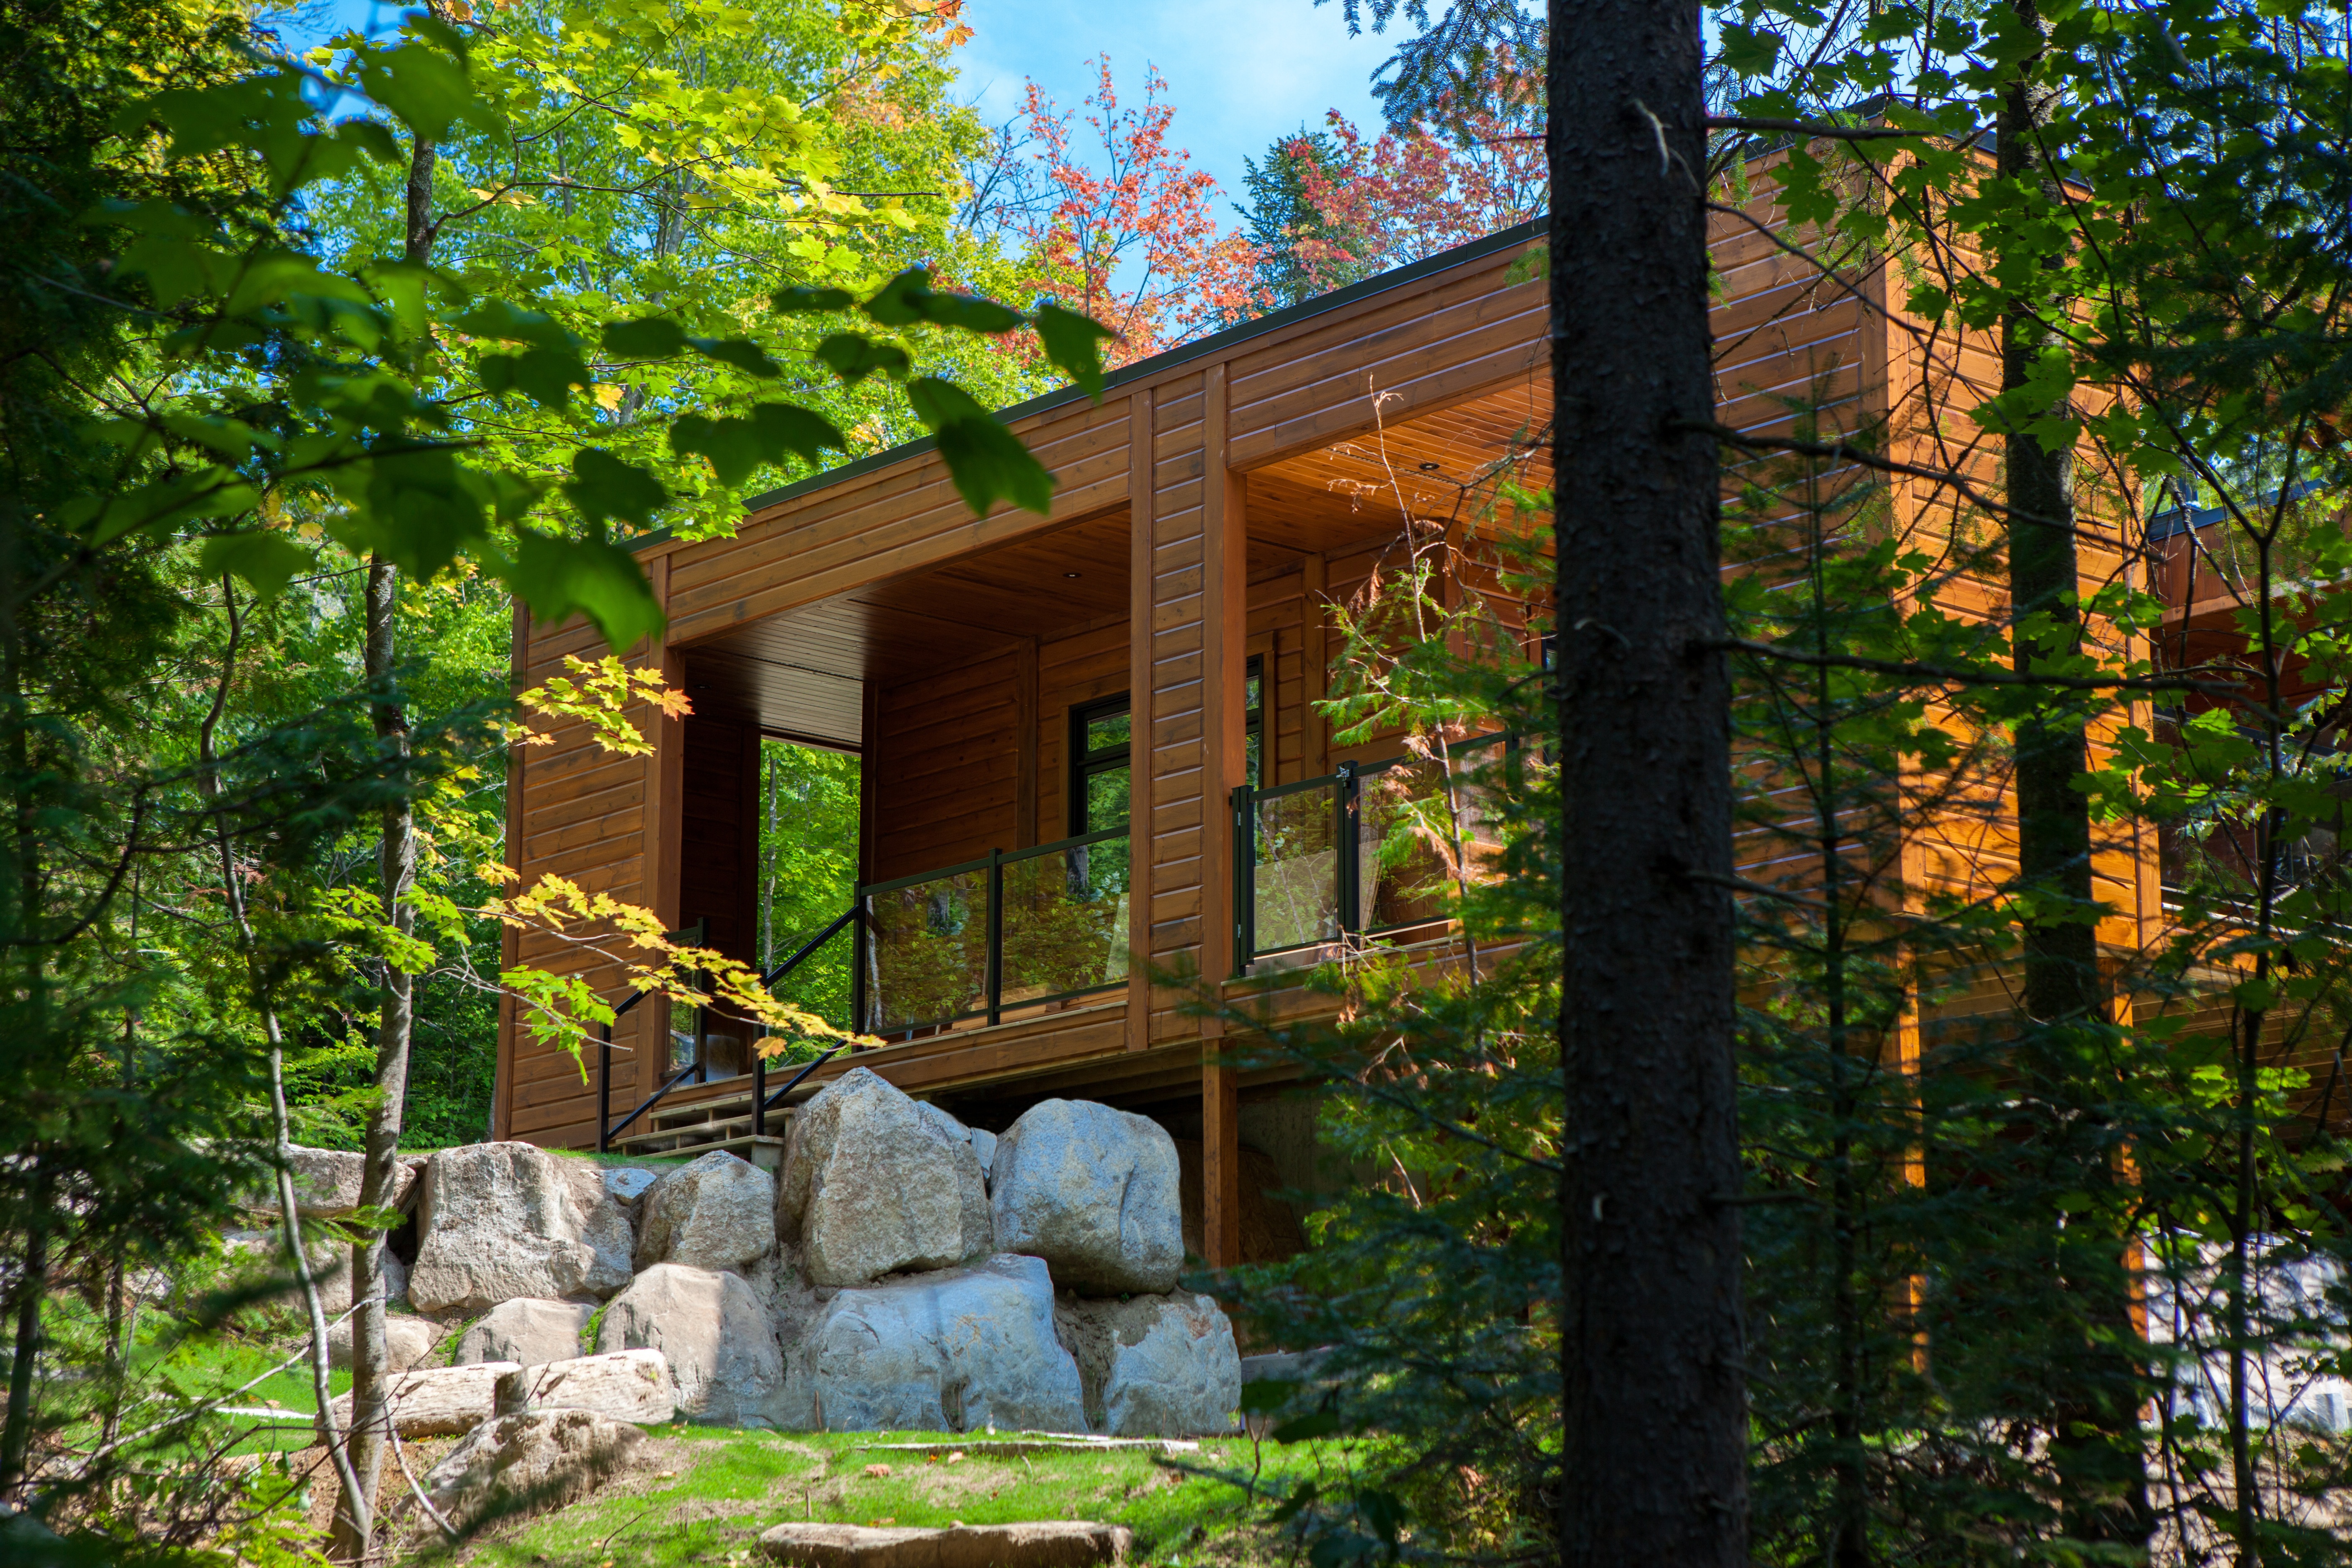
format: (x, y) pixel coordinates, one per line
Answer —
(1655, 1450)
(2097, 1447)
(396, 872)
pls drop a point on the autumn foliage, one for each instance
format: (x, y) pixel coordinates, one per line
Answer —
(1374, 205)
(1127, 230)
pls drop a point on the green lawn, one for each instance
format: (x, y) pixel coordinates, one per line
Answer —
(705, 1495)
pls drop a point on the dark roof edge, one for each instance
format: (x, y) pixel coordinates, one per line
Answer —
(1505, 239)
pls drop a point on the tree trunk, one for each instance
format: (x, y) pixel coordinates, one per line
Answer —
(396, 872)
(2096, 1446)
(32, 1286)
(1653, 1455)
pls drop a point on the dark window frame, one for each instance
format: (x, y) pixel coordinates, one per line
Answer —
(1085, 764)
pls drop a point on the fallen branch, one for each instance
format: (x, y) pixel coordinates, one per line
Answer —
(1035, 1443)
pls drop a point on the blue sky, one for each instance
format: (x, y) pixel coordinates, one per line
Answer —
(1240, 72)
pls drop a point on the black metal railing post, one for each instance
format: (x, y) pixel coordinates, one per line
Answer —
(857, 961)
(1245, 880)
(995, 934)
(604, 1091)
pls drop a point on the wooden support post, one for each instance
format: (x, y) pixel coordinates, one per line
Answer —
(1224, 584)
(1024, 756)
(1142, 843)
(1225, 703)
(665, 852)
(1315, 679)
(1221, 1160)
(502, 1083)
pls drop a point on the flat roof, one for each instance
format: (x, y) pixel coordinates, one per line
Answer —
(1504, 239)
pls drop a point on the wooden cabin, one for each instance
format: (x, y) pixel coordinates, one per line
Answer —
(1026, 691)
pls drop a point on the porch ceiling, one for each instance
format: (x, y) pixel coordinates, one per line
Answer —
(800, 672)
(1338, 496)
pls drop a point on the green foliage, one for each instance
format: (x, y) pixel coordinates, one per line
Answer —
(1435, 1270)
(808, 869)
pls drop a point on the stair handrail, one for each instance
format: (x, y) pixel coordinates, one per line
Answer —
(761, 1101)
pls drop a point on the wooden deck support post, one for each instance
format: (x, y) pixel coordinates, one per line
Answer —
(1225, 576)
(1140, 839)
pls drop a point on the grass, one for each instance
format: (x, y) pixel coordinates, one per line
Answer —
(705, 1495)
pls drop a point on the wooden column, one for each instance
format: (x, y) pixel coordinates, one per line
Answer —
(1224, 584)
(645, 1037)
(1138, 726)
(1315, 680)
(1024, 758)
(502, 1083)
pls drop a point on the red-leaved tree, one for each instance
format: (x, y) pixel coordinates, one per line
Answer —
(1123, 228)
(1372, 206)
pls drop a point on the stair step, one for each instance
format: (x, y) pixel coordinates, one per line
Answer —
(766, 1152)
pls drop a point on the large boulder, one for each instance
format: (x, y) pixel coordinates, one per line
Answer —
(438, 1401)
(255, 1255)
(327, 1184)
(502, 1220)
(725, 1366)
(1153, 1367)
(627, 1385)
(529, 1463)
(1093, 1191)
(950, 1351)
(407, 1341)
(982, 1141)
(1045, 1544)
(719, 1213)
(627, 1184)
(528, 1330)
(873, 1187)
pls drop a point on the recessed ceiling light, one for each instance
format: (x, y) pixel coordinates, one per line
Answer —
(1429, 467)
(1069, 574)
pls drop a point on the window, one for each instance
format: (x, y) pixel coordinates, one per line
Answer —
(1100, 736)
(1098, 767)
(1254, 720)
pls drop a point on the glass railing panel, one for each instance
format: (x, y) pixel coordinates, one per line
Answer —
(1406, 845)
(928, 958)
(1066, 914)
(1296, 881)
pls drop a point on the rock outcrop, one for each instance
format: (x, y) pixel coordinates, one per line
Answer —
(873, 1187)
(256, 1254)
(725, 1366)
(719, 1213)
(948, 1352)
(626, 1386)
(407, 1341)
(1093, 1191)
(327, 1184)
(501, 1220)
(1048, 1543)
(1154, 1366)
(527, 1463)
(529, 1330)
(627, 1184)
(438, 1401)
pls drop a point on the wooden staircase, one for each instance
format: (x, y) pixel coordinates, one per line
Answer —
(722, 1121)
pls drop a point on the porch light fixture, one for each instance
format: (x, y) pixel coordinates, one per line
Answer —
(1069, 574)
(1429, 467)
